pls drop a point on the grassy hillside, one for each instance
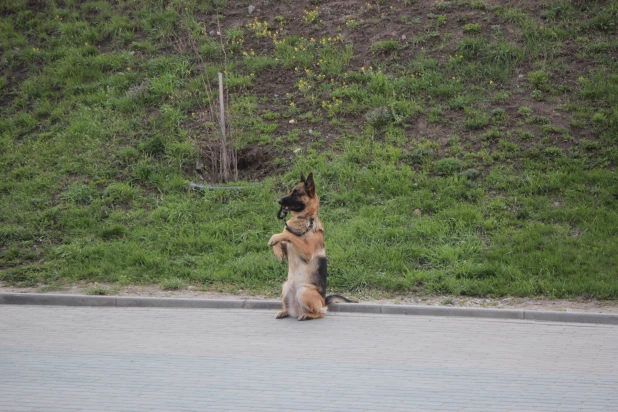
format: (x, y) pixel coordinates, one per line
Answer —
(462, 147)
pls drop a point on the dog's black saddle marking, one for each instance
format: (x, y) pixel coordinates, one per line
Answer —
(299, 234)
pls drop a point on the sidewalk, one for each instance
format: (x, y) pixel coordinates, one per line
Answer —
(139, 359)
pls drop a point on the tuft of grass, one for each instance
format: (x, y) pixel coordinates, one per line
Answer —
(113, 232)
(385, 46)
(478, 5)
(311, 16)
(477, 120)
(473, 28)
(539, 80)
(448, 166)
(172, 284)
(257, 64)
(525, 111)
(97, 290)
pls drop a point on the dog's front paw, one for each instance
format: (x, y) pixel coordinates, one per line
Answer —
(280, 251)
(274, 240)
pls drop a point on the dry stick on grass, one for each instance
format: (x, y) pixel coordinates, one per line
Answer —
(223, 158)
(232, 153)
(206, 83)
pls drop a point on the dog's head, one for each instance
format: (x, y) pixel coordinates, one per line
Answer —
(303, 199)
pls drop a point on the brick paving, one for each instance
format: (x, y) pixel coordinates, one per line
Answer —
(56, 358)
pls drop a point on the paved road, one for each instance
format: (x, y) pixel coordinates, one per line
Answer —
(140, 359)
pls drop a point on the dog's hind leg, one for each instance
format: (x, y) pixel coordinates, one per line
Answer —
(313, 306)
(309, 316)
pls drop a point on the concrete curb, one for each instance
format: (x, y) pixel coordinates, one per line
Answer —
(127, 301)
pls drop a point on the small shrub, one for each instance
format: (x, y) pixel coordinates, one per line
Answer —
(379, 117)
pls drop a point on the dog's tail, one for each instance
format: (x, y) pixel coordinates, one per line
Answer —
(337, 298)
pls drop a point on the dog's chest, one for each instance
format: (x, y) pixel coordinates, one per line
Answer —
(298, 268)
(301, 271)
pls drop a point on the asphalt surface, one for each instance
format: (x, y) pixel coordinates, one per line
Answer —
(138, 359)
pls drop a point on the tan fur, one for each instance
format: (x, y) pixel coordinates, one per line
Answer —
(300, 295)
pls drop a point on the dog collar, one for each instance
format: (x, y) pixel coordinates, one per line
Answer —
(299, 234)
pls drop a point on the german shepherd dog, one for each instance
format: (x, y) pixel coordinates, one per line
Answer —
(301, 244)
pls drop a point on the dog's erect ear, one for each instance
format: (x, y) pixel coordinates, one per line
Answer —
(302, 177)
(310, 185)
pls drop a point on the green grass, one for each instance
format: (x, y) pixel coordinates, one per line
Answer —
(506, 147)
(97, 290)
(385, 46)
(473, 28)
(172, 284)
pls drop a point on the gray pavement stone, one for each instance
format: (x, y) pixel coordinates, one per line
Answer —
(146, 358)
